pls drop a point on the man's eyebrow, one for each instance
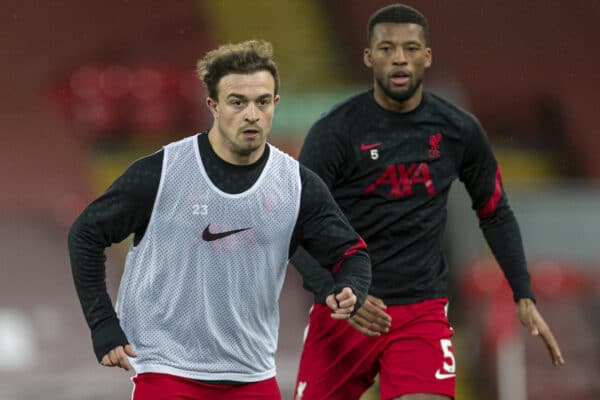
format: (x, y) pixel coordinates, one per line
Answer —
(241, 96)
(391, 42)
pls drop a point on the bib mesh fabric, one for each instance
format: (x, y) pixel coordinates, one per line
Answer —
(199, 294)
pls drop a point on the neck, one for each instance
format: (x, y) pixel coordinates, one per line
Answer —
(401, 106)
(224, 150)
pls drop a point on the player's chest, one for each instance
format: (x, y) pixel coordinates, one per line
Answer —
(380, 143)
(395, 160)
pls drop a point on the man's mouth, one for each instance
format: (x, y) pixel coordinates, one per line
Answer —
(250, 132)
(400, 78)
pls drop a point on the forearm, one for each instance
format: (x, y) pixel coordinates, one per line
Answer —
(316, 279)
(332, 251)
(355, 273)
(503, 236)
(88, 269)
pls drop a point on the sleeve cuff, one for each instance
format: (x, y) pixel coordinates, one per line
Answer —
(106, 336)
(523, 291)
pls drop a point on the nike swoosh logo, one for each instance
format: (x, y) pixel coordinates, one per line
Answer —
(209, 236)
(365, 147)
(440, 375)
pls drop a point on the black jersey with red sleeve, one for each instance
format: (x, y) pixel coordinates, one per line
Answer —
(391, 173)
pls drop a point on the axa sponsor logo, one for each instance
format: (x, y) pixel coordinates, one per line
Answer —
(400, 179)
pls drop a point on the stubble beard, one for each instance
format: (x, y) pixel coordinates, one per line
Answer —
(247, 147)
(399, 96)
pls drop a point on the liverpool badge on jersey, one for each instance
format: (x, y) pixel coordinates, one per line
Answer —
(434, 145)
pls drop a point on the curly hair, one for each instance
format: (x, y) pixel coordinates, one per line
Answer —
(237, 58)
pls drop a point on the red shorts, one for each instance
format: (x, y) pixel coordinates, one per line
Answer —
(154, 386)
(415, 356)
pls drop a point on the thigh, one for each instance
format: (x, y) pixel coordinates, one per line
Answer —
(263, 390)
(155, 386)
(418, 358)
(337, 361)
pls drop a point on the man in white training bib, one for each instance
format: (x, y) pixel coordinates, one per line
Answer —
(215, 218)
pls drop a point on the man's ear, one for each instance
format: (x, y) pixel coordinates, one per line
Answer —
(367, 58)
(428, 57)
(213, 106)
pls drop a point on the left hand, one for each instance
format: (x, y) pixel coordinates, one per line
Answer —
(535, 324)
(371, 318)
(117, 357)
(342, 304)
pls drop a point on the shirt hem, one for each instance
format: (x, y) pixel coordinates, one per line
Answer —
(203, 376)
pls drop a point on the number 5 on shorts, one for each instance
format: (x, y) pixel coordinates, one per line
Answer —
(448, 355)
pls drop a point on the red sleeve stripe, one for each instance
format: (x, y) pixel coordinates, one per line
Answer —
(492, 203)
(359, 245)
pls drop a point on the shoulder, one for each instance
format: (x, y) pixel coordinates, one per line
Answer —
(277, 153)
(182, 144)
(146, 166)
(343, 113)
(311, 181)
(456, 117)
(142, 177)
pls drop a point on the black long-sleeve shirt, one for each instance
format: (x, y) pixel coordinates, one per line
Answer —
(126, 207)
(390, 173)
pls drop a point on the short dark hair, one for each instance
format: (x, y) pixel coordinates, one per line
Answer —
(239, 58)
(397, 14)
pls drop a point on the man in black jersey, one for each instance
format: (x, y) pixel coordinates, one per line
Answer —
(389, 156)
(215, 218)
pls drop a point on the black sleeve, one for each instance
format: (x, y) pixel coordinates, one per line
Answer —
(324, 154)
(503, 235)
(123, 209)
(481, 175)
(336, 253)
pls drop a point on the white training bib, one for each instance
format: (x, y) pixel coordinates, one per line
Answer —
(199, 294)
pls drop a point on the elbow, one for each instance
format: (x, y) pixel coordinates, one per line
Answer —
(74, 234)
(500, 216)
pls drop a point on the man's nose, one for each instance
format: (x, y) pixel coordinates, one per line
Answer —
(399, 57)
(252, 113)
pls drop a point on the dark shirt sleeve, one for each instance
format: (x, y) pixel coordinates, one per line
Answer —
(481, 175)
(323, 153)
(125, 208)
(333, 254)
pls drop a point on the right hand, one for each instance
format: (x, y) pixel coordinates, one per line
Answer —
(371, 319)
(117, 357)
(342, 304)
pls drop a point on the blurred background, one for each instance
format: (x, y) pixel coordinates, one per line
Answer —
(86, 88)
